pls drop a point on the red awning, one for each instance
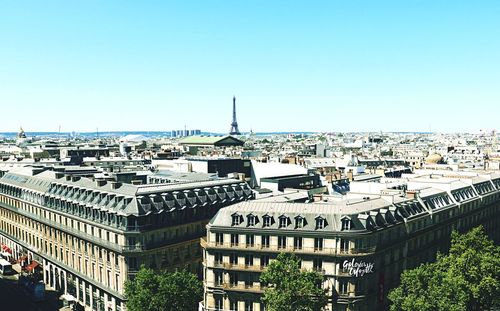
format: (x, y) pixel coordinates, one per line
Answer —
(31, 266)
(6, 249)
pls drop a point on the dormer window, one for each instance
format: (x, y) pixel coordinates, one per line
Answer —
(283, 221)
(299, 222)
(266, 221)
(251, 220)
(236, 219)
(320, 223)
(446, 200)
(346, 224)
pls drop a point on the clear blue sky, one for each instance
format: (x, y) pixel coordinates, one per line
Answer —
(293, 65)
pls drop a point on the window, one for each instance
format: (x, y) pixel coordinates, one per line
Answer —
(299, 222)
(249, 260)
(250, 240)
(265, 241)
(281, 242)
(343, 287)
(219, 303)
(218, 278)
(233, 278)
(359, 244)
(236, 220)
(233, 305)
(218, 258)
(266, 221)
(318, 244)
(264, 260)
(248, 306)
(235, 239)
(346, 224)
(283, 222)
(344, 245)
(248, 280)
(320, 223)
(251, 220)
(233, 259)
(219, 239)
(297, 243)
(318, 264)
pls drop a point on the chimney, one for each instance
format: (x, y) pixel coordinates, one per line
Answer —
(100, 182)
(68, 177)
(75, 178)
(412, 194)
(115, 185)
(317, 197)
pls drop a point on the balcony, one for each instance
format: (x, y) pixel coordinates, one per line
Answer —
(239, 267)
(359, 251)
(133, 248)
(275, 248)
(350, 297)
(243, 287)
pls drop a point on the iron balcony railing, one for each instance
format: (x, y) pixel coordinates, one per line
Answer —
(242, 267)
(299, 250)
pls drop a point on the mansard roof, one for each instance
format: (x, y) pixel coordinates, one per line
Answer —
(125, 199)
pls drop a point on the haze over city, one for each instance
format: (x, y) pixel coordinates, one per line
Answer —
(301, 66)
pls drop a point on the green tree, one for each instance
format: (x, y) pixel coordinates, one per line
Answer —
(157, 291)
(290, 288)
(468, 278)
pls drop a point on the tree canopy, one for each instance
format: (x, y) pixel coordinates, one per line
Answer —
(468, 278)
(290, 288)
(157, 291)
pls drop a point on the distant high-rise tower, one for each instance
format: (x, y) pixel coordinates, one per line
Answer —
(234, 125)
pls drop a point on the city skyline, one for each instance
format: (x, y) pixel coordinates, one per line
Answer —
(322, 67)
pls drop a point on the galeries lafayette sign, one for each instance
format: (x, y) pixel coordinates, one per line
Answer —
(357, 268)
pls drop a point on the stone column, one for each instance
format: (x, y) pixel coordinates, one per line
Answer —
(77, 287)
(98, 297)
(53, 276)
(65, 281)
(91, 294)
(59, 276)
(106, 301)
(84, 293)
(45, 267)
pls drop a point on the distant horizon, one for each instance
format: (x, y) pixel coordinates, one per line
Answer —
(203, 133)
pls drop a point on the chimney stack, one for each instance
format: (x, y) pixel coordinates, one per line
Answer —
(100, 182)
(115, 185)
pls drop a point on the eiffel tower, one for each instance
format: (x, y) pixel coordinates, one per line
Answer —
(234, 125)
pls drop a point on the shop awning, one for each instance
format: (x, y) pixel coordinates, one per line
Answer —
(31, 266)
(5, 248)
